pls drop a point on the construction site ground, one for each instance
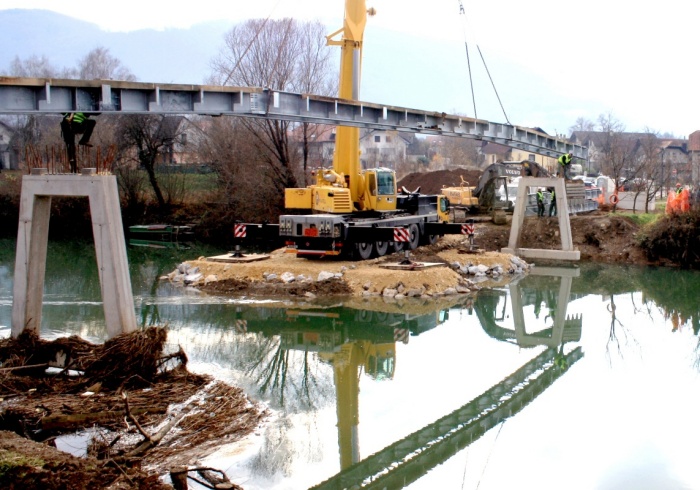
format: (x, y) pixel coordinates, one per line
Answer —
(599, 236)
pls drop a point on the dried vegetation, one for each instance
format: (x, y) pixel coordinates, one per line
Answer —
(152, 413)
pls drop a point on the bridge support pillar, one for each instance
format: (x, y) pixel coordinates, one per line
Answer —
(32, 243)
(567, 251)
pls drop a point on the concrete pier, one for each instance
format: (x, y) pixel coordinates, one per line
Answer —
(567, 251)
(32, 243)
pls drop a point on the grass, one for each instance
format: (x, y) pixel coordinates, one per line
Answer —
(200, 183)
(641, 219)
(10, 460)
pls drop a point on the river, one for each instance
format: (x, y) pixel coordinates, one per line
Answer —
(572, 377)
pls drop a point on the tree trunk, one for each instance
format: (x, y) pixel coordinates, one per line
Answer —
(150, 170)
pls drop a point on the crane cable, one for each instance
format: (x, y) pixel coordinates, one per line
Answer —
(466, 47)
(250, 44)
(483, 60)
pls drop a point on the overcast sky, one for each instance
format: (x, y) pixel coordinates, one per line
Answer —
(634, 60)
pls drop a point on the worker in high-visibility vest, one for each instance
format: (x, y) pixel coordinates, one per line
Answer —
(565, 165)
(540, 203)
(72, 124)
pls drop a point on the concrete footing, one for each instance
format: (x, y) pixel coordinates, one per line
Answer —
(32, 243)
(413, 266)
(242, 259)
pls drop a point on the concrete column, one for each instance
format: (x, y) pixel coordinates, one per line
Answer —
(110, 248)
(567, 251)
(557, 338)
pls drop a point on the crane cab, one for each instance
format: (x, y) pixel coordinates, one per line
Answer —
(380, 189)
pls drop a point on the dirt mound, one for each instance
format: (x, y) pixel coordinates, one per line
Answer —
(600, 237)
(29, 465)
(675, 239)
(432, 182)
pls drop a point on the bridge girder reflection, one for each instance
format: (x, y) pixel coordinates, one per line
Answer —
(410, 458)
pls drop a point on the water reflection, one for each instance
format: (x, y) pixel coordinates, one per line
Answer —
(408, 459)
(371, 390)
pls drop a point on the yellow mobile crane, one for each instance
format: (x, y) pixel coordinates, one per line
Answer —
(359, 212)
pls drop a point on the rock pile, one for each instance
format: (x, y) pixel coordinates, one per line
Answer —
(312, 284)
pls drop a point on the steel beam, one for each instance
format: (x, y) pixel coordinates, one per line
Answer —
(55, 96)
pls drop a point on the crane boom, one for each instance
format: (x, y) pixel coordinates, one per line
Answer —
(346, 157)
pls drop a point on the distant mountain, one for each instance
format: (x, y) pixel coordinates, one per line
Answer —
(170, 56)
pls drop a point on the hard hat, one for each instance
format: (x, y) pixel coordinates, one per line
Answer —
(678, 184)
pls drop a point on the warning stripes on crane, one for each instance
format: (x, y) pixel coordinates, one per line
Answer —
(239, 231)
(402, 235)
(401, 335)
(241, 326)
(467, 229)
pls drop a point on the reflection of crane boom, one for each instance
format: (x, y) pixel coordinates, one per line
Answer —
(352, 341)
(410, 458)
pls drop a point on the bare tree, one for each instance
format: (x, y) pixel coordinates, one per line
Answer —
(99, 64)
(649, 175)
(282, 55)
(314, 75)
(461, 152)
(145, 138)
(31, 130)
(229, 149)
(34, 66)
(582, 124)
(618, 151)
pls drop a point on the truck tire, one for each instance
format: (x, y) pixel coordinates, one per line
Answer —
(381, 248)
(364, 250)
(415, 236)
(430, 239)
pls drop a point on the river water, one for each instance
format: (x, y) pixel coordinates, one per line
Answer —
(570, 377)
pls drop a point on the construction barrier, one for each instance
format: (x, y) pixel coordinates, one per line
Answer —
(678, 202)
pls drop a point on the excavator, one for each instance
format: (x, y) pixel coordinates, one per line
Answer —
(485, 198)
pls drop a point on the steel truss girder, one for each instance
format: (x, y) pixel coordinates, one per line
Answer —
(54, 96)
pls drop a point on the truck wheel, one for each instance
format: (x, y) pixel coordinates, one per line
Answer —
(415, 236)
(382, 248)
(397, 246)
(430, 239)
(364, 250)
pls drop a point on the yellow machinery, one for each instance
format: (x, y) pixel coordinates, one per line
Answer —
(345, 188)
(377, 360)
(462, 195)
(358, 212)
